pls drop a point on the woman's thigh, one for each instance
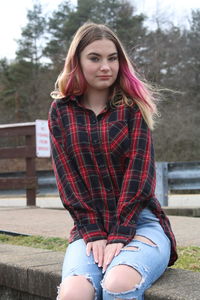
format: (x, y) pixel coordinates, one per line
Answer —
(150, 260)
(76, 262)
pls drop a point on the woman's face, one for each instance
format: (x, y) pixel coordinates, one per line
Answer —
(99, 63)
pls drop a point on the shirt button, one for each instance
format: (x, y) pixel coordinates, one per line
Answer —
(95, 141)
(109, 189)
(101, 165)
(93, 121)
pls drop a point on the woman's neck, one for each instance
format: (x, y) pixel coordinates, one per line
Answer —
(94, 98)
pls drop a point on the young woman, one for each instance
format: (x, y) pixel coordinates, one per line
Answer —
(100, 129)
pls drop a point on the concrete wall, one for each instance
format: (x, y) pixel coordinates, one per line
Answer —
(29, 271)
(11, 294)
(34, 274)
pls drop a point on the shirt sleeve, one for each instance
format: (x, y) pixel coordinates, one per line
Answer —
(139, 179)
(84, 216)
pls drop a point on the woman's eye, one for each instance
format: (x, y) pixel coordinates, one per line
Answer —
(113, 58)
(95, 59)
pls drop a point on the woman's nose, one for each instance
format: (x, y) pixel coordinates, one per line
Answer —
(105, 67)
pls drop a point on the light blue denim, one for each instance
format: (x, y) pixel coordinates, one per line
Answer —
(149, 260)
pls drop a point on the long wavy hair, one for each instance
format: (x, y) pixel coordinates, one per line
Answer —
(128, 88)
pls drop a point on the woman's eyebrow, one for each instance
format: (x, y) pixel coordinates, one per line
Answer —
(97, 54)
(94, 53)
(114, 53)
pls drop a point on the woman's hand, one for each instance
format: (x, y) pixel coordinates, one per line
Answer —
(97, 248)
(111, 250)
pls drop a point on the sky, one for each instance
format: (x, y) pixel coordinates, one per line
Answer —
(13, 16)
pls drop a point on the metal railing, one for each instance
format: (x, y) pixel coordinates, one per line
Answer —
(184, 176)
(173, 176)
(176, 176)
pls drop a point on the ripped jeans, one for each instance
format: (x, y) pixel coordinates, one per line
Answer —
(149, 260)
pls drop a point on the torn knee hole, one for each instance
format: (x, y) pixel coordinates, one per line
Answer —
(144, 240)
(88, 278)
(58, 291)
(122, 278)
(133, 248)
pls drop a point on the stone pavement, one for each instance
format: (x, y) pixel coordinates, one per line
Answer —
(58, 223)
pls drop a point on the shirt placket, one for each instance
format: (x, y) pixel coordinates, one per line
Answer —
(98, 152)
(100, 158)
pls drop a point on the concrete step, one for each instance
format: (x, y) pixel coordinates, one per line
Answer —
(182, 211)
(30, 273)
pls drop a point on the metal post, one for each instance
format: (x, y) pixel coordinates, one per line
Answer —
(162, 182)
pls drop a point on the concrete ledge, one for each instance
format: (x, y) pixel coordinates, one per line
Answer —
(31, 271)
(182, 211)
(175, 284)
(34, 274)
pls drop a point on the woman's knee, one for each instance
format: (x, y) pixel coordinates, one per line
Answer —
(73, 287)
(121, 278)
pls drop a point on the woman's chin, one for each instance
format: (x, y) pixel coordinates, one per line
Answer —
(103, 86)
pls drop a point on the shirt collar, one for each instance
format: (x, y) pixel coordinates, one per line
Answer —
(77, 100)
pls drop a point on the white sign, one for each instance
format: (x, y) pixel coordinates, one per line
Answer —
(42, 138)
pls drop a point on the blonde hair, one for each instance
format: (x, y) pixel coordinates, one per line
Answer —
(128, 88)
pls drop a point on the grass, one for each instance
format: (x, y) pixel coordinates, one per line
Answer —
(55, 244)
(189, 257)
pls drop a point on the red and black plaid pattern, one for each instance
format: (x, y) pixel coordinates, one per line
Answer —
(105, 170)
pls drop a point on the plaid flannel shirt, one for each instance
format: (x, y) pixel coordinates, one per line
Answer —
(105, 170)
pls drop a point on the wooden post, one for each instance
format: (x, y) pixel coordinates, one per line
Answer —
(30, 172)
(27, 152)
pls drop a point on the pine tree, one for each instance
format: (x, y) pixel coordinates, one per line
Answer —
(117, 14)
(30, 46)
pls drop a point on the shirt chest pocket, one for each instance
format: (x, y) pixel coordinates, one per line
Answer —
(118, 137)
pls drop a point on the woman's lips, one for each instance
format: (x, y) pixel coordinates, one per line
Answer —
(104, 77)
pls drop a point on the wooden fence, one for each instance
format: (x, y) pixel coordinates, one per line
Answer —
(171, 176)
(27, 152)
